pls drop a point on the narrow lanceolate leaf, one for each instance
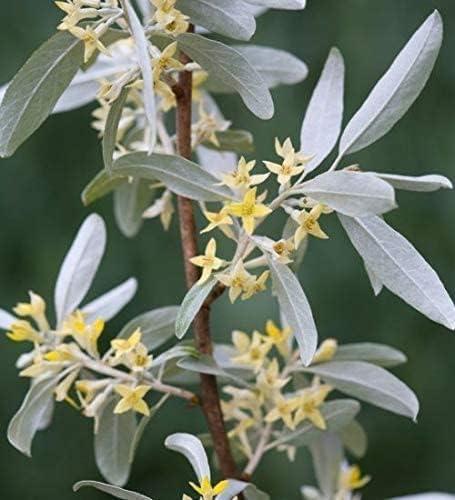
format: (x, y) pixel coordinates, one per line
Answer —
(400, 267)
(6, 319)
(422, 183)
(234, 487)
(191, 448)
(80, 266)
(327, 454)
(28, 420)
(217, 163)
(280, 4)
(395, 92)
(112, 302)
(157, 326)
(228, 65)
(144, 61)
(276, 67)
(102, 184)
(114, 491)
(231, 18)
(354, 438)
(369, 383)
(181, 176)
(238, 141)
(321, 126)
(112, 443)
(375, 282)
(110, 131)
(191, 305)
(337, 414)
(34, 91)
(351, 193)
(130, 201)
(378, 354)
(295, 309)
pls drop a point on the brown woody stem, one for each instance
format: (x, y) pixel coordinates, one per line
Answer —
(210, 399)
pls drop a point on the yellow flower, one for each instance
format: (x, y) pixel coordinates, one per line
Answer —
(62, 353)
(91, 39)
(279, 337)
(168, 18)
(205, 129)
(293, 163)
(282, 250)
(165, 61)
(217, 219)
(124, 346)
(61, 391)
(239, 281)
(22, 331)
(249, 210)
(257, 286)
(132, 399)
(36, 309)
(86, 335)
(269, 380)
(206, 490)
(199, 78)
(309, 401)
(162, 207)
(308, 224)
(283, 410)
(168, 100)
(139, 359)
(75, 12)
(252, 352)
(326, 351)
(209, 261)
(240, 431)
(351, 479)
(241, 177)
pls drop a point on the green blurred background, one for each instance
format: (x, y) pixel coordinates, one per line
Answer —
(41, 210)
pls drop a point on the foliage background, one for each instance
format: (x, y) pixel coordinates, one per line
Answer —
(40, 211)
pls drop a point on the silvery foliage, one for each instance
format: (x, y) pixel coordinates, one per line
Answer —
(55, 80)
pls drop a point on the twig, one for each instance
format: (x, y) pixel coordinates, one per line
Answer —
(209, 390)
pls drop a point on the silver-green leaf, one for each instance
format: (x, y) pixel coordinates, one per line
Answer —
(112, 442)
(181, 176)
(395, 92)
(230, 66)
(369, 383)
(378, 354)
(30, 416)
(295, 309)
(421, 183)
(34, 91)
(321, 126)
(351, 193)
(115, 491)
(354, 438)
(157, 326)
(399, 266)
(191, 305)
(230, 18)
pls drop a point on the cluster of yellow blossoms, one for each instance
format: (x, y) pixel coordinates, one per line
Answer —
(71, 351)
(269, 399)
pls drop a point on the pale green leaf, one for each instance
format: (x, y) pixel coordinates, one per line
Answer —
(111, 128)
(280, 4)
(354, 438)
(181, 176)
(30, 416)
(369, 383)
(395, 92)
(351, 193)
(230, 18)
(130, 202)
(238, 141)
(321, 126)
(191, 448)
(421, 183)
(79, 266)
(233, 69)
(399, 266)
(102, 184)
(378, 354)
(112, 443)
(34, 91)
(114, 491)
(327, 455)
(157, 326)
(295, 309)
(191, 305)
